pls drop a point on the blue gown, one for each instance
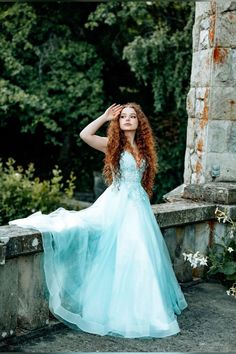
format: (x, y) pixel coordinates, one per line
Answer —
(107, 267)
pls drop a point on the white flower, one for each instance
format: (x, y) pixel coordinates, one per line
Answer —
(189, 257)
(231, 235)
(230, 249)
(185, 255)
(203, 261)
(195, 259)
(193, 263)
(228, 292)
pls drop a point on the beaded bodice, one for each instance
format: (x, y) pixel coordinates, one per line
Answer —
(131, 176)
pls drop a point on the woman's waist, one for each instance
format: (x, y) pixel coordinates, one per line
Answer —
(133, 188)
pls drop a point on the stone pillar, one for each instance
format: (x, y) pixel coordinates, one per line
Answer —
(211, 103)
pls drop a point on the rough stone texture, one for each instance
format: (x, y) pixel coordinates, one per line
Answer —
(220, 192)
(218, 136)
(211, 101)
(33, 305)
(21, 241)
(223, 75)
(8, 298)
(176, 239)
(223, 104)
(226, 162)
(183, 212)
(207, 325)
(201, 75)
(226, 24)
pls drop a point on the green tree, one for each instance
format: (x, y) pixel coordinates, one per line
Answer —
(51, 83)
(60, 72)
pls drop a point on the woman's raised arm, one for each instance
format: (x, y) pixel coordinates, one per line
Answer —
(88, 133)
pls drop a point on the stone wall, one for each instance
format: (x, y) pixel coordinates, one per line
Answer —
(185, 225)
(211, 103)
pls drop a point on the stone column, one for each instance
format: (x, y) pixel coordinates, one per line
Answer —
(211, 103)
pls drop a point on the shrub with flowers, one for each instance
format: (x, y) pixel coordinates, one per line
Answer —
(22, 194)
(221, 259)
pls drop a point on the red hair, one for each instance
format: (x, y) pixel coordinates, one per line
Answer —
(117, 142)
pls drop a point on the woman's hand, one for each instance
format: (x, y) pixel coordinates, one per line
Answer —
(88, 134)
(113, 111)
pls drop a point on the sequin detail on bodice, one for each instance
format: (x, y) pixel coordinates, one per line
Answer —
(131, 176)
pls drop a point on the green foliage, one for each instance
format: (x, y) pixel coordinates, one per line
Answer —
(60, 72)
(46, 79)
(155, 39)
(51, 83)
(22, 194)
(156, 44)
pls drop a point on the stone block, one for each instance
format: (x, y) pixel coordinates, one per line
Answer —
(201, 73)
(231, 138)
(195, 35)
(225, 6)
(203, 9)
(204, 40)
(197, 178)
(187, 166)
(183, 270)
(189, 238)
(193, 191)
(218, 136)
(190, 102)
(225, 32)
(21, 241)
(227, 163)
(202, 237)
(9, 298)
(183, 212)
(219, 232)
(223, 104)
(33, 304)
(202, 106)
(220, 192)
(175, 194)
(223, 69)
(190, 133)
(205, 24)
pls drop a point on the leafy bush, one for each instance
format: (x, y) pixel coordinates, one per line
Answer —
(22, 194)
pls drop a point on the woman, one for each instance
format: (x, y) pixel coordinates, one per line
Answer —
(107, 267)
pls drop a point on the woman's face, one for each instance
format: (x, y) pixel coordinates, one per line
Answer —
(128, 119)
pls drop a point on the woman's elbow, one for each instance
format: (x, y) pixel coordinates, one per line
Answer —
(81, 135)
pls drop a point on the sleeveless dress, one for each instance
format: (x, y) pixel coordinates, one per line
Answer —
(107, 267)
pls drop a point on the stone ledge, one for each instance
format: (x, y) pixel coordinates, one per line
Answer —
(183, 212)
(219, 192)
(179, 213)
(21, 241)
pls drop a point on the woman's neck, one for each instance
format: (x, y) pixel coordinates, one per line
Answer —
(130, 137)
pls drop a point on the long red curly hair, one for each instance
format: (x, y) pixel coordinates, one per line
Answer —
(117, 143)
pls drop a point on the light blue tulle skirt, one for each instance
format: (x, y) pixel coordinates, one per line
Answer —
(107, 267)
